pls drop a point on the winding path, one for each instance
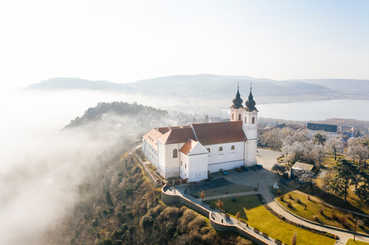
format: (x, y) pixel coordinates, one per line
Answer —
(272, 204)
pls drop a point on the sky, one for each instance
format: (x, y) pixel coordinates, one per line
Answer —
(125, 41)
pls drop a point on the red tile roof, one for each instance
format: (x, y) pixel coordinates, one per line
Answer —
(177, 135)
(219, 132)
(206, 133)
(186, 148)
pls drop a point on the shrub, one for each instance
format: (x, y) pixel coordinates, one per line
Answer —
(317, 219)
(146, 221)
(335, 217)
(300, 202)
(345, 223)
(289, 205)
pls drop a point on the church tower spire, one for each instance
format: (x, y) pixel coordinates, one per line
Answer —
(237, 101)
(237, 107)
(250, 103)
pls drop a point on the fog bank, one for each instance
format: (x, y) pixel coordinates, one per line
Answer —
(42, 165)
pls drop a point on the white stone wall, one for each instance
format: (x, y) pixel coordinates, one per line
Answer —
(150, 153)
(161, 164)
(183, 172)
(194, 167)
(237, 114)
(197, 167)
(251, 148)
(227, 158)
(251, 131)
(171, 164)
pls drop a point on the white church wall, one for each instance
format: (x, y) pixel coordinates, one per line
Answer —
(227, 158)
(197, 167)
(237, 114)
(150, 153)
(225, 166)
(251, 148)
(172, 163)
(183, 172)
(161, 159)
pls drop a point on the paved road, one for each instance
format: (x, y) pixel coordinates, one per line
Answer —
(267, 157)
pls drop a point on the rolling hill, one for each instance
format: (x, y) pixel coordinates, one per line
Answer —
(214, 87)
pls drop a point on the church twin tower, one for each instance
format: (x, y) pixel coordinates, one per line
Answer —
(248, 115)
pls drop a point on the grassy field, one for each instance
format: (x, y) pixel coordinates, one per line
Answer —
(315, 209)
(352, 242)
(259, 217)
(218, 187)
(238, 204)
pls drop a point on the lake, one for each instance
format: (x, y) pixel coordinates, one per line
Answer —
(317, 110)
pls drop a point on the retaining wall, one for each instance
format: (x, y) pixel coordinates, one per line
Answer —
(178, 199)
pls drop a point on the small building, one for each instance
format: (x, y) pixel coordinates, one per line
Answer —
(302, 171)
(327, 129)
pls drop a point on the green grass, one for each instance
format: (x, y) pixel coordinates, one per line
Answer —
(227, 189)
(352, 242)
(259, 217)
(238, 204)
(311, 209)
(265, 221)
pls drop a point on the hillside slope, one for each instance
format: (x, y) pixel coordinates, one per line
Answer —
(120, 206)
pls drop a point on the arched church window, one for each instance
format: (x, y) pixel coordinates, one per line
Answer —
(253, 120)
(239, 117)
(208, 149)
(175, 153)
(233, 147)
(220, 148)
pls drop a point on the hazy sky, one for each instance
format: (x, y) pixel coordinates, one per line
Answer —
(124, 41)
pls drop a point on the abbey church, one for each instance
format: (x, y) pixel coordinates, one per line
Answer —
(191, 151)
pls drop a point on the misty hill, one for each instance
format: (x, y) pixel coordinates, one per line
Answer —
(117, 115)
(206, 86)
(74, 83)
(102, 111)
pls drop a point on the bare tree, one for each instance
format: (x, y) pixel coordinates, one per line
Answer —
(219, 204)
(358, 149)
(202, 195)
(294, 239)
(334, 145)
(317, 155)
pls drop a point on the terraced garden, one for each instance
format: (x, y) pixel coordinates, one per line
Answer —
(315, 209)
(255, 214)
